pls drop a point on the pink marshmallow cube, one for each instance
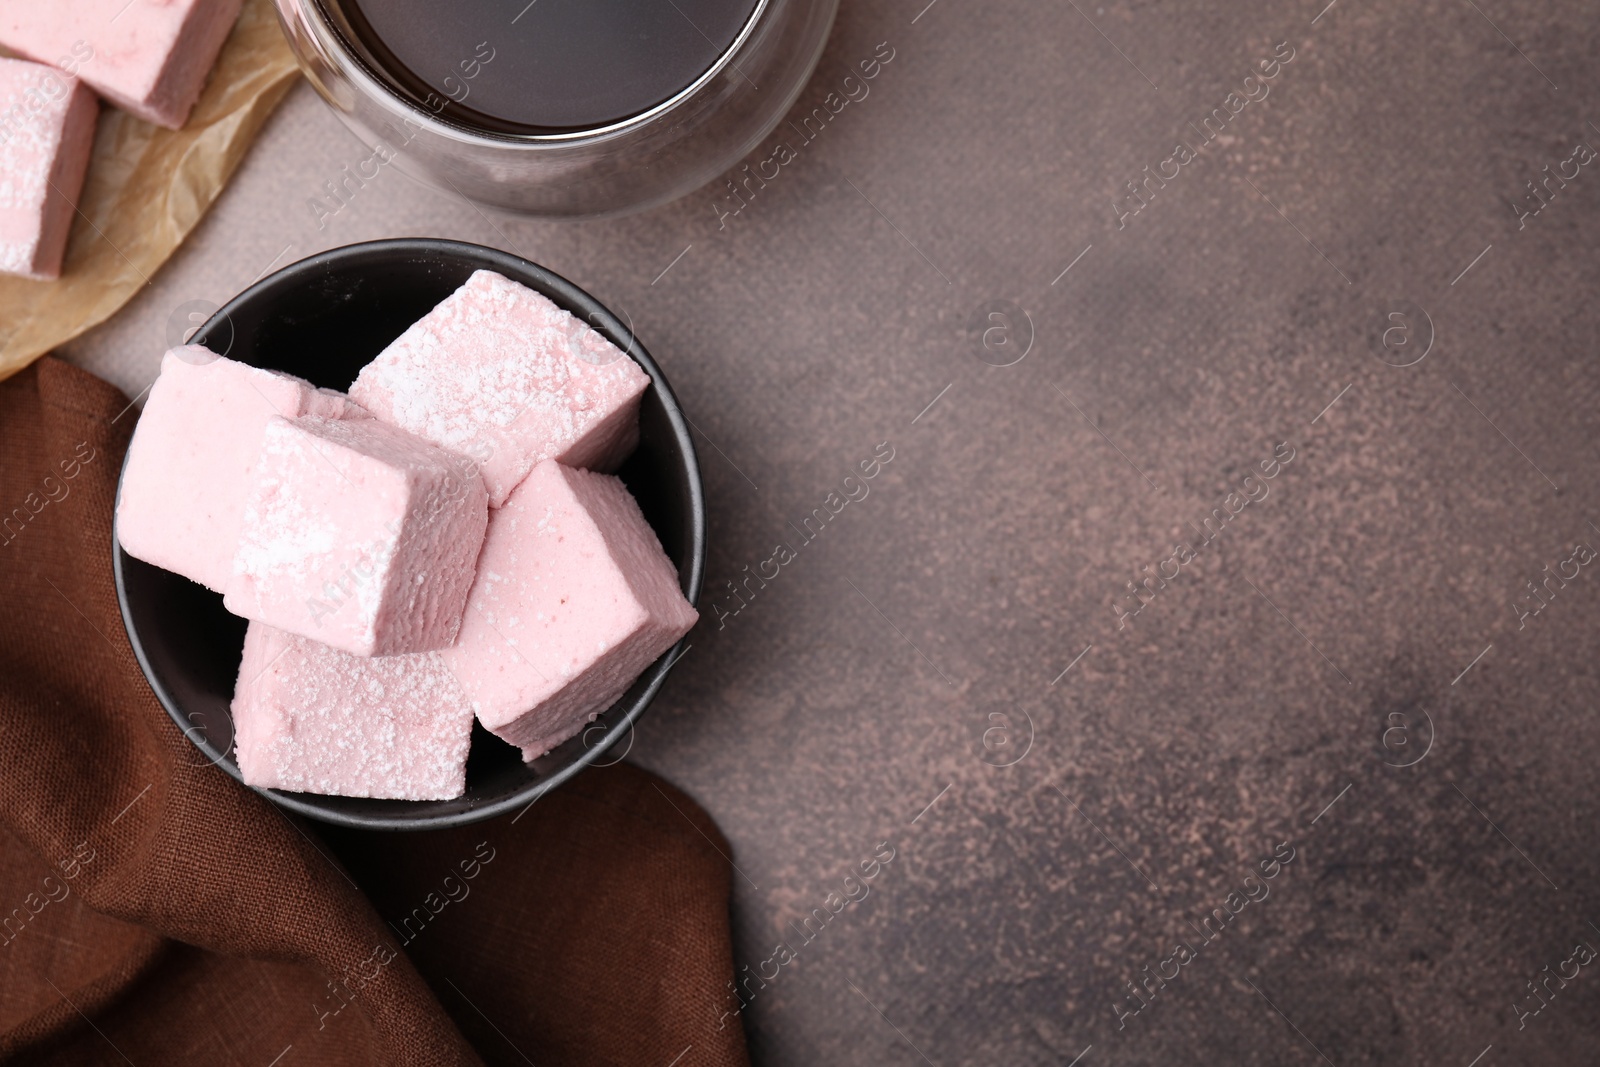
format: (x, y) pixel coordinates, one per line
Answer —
(357, 535)
(312, 719)
(46, 132)
(183, 490)
(574, 599)
(148, 57)
(332, 404)
(499, 373)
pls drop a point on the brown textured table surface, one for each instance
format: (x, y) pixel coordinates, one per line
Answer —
(1352, 664)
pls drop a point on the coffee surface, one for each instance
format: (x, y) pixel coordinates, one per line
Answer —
(510, 66)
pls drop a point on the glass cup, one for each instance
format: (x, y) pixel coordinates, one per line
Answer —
(626, 165)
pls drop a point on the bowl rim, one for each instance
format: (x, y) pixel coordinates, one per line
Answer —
(574, 299)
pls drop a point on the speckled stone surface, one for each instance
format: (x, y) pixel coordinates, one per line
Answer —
(1359, 616)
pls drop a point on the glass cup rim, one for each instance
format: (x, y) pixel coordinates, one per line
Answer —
(332, 42)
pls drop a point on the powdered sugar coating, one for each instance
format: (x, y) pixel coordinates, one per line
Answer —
(46, 132)
(574, 599)
(359, 535)
(499, 373)
(332, 404)
(312, 719)
(183, 489)
(148, 57)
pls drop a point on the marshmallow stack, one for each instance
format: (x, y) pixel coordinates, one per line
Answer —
(398, 585)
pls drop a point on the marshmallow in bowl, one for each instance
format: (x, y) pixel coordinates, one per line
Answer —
(312, 719)
(498, 372)
(574, 598)
(358, 535)
(183, 490)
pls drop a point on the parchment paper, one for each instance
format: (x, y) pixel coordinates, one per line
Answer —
(146, 189)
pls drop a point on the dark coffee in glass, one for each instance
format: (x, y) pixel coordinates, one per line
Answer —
(559, 108)
(519, 68)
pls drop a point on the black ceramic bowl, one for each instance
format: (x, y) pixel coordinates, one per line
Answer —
(323, 319)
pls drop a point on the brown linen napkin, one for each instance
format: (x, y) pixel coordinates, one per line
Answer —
(152, 910)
